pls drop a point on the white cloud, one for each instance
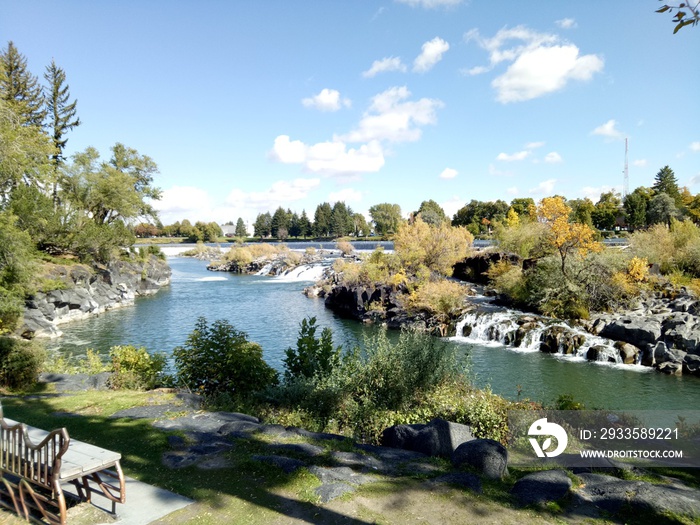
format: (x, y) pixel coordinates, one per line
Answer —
(431, 4)
(326, 100)
(477, 70)
(553, 158)
(695, 180)
(280, 193)
(384, 65)
(392, 118)
(640, 163)
(512, 157)
(334, 158)
(513, 190)
(609, 131)
(566, 23)
(449, 173)
(431, 54)
(695, 146)
(288, 152)
(534, 145)
(345, 195)
(544, 188)
(541, 63)
(329, 158)
(180, 202)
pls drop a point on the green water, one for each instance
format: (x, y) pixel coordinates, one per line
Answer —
(269, 310)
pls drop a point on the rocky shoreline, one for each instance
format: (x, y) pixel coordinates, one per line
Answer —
(86, 291)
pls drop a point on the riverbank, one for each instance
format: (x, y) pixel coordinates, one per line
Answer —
(81, 291)
(288, 473)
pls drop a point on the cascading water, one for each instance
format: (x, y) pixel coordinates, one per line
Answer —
(530, 333)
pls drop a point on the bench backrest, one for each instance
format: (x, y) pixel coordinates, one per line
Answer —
(38, 463)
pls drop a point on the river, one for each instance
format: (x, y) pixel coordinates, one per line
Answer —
(269, 310)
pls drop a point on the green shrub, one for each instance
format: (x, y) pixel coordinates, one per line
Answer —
(312, 356)
(20, 362)
(219, 359)
(134, 368)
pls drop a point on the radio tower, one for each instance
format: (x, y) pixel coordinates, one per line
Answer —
(626, 180)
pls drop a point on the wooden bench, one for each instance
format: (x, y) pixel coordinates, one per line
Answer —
(35, 463)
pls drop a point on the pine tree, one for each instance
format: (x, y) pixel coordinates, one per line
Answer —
(665, 182)
(241, 230)
(19, 88)
(61, 112)
(304, 224)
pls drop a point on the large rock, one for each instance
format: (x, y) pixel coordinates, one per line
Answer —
(437, 438)
(635, 330)
(682, 331)
(628, 352)
(691, 364)
(541, 487)
(560, 340)
(487, 457)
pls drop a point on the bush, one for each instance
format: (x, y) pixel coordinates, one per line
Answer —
(442, 299)
(219, 359)
(135, 369)
(437, 248)
(20, 362)
(313, 357)
(345, 247)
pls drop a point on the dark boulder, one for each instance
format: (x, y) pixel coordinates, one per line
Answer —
(437, 438)
(541, 487)
(487, 457)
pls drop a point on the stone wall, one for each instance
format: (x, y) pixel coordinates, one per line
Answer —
(90, 290)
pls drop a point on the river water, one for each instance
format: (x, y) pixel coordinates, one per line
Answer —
(269, 310)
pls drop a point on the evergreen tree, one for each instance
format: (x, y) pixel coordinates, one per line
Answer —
(19, 88)
(341, 219)
(294, 227)
(322, 220)
(304, 224)
(665, 182)
(241, 230)
(60, 112)
(280, 221)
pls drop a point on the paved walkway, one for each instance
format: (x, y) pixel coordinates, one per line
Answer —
(144, 504)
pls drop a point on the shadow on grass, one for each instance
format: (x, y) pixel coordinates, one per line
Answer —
(142, 447)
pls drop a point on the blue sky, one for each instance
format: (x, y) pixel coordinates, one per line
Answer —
(248, 105)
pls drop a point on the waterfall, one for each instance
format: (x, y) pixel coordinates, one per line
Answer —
(306, 272)
(265, 270)
(532, 333)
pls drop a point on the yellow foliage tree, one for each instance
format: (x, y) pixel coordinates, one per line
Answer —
(512, 218)
(565, 237)
(435, 247)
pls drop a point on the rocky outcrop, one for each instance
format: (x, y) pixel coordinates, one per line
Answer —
(663, 330)
(276, 264)
(83, 291)
(474, 268)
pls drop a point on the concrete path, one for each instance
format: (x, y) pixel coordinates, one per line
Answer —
(144, 504)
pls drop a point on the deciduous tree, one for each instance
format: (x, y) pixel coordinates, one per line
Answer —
(565, 237)
(386, 217)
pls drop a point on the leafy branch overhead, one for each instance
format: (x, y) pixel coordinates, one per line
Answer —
(685, 14)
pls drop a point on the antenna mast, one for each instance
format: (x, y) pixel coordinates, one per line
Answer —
(626, 180)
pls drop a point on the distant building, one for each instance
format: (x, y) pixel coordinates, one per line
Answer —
(229, 230)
